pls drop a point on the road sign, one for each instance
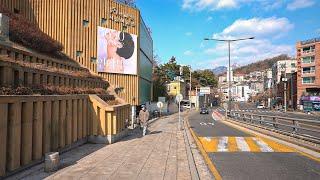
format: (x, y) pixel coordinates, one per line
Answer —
(160, 105)
(204, 90)
(179, 98)
(162, 99)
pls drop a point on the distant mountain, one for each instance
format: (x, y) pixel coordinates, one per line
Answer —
(260, 65)
(219, 70)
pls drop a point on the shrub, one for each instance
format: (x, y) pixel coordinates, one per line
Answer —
(29, 35)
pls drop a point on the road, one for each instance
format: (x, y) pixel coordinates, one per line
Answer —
(251, 109)
(239, 155)
(236, 106)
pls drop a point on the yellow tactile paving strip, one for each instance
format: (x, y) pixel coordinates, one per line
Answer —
(239, 144)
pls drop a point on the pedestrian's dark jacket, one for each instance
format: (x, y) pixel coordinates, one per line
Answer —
(143, 117)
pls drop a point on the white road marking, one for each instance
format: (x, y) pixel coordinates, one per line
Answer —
(242, 144)
(223, 144)
(203, 123)
(263, 146)
(212, 124)
(208, 139)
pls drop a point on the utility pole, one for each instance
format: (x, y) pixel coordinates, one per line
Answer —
(285, 87)
(229, 64)
(197, 101)
(190, 88)
(229, 83)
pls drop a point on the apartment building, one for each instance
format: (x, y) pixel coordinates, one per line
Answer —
(308, 74)
(283, 67)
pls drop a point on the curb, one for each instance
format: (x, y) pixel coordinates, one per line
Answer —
(193, 168)
(205, 156)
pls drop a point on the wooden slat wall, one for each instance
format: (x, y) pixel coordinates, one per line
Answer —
(31, 126)
(63, 20)
(128, 82)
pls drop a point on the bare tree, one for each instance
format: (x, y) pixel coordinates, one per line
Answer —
(127, 2)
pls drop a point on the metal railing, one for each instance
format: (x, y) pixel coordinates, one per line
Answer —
(306, 129)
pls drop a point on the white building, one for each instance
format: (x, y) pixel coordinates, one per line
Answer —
(238, 92)
(222, 79)
(241, 93)
(237, 78)
(281, 67)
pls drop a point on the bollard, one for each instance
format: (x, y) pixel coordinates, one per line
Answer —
(275, 122)
(261, 119)
(296, 125)
(52, 162)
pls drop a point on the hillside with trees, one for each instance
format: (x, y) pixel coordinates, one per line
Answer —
(164, 73)
(261, 65)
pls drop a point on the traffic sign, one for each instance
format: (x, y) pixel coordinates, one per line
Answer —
(204, 90)
(179, 98)
(160, 104)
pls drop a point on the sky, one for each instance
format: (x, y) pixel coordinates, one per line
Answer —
(179, 27)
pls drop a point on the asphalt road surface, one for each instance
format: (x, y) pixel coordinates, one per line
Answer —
(239, 155)
(250, 108)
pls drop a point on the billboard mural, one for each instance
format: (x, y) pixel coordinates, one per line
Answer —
(117, 51)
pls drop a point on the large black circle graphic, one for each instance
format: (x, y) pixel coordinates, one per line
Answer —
(127, 49)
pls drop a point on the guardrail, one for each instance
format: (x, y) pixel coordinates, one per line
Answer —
(305, 129)
(31, 126)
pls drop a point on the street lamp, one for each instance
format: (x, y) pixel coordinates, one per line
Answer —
(229, 65)
(190, 87)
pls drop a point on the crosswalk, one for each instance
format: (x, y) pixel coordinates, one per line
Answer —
(241, 144)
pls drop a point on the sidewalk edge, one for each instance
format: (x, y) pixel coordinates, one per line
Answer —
(209, 163)
(193, 168)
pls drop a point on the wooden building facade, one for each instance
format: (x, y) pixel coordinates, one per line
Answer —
(74, 24)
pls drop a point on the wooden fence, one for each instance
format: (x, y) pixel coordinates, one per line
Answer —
(31, 126)
(13, 75)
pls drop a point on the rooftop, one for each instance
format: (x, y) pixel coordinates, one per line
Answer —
(310, 41)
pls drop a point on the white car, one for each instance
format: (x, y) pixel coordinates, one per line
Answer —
(186, 106)
(261, 106)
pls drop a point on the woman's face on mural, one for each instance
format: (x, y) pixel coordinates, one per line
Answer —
(113, 43)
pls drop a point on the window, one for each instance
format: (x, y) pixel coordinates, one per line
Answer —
(307, 70)
(79, 53)
(293, 65)
(308, 80)
(308, 60)
(308, 49)
(85, 23)
(104, 21)
(93, 59)
(17, 11)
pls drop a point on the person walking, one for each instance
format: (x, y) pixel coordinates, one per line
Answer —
(144, 117)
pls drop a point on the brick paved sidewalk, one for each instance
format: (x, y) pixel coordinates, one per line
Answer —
(160, 155)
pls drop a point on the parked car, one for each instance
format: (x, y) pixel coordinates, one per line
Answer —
(186, 106)
(261, 106)
(156, 113)
(204, 110)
